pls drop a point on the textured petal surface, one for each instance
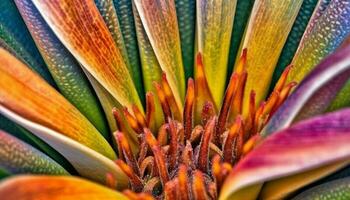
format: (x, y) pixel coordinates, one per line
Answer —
(214, 25)
(80, 27)
(160, 23)
(15, 37)
(65, 70)
(25, 93)
(88, 163)
(294, 38)
(338, 189)
(315, 93)
(324, 34)
(109, 13)
(151, 70)
(266, 33)
(186, 17)
(55, 188)
(127, 25)
(18, 157)
(306, 146)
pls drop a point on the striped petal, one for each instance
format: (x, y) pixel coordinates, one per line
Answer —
(55, 188)
(65, 70)
(214, 25)
(26, 94)
(338, 189)
(315, 93)
(159, 20)
(80, 27)
(15, 37)
(18, 157)
(267, 31)
(186, 17)
(110, 16)
(297, 156)
(124, 10)
(325, 33)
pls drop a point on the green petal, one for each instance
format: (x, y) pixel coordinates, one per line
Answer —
(186, 17)
(151, 69)
(338, 189)
(267, 31)
(15, 36)
(126, 21)
(214, 24)
(18, 157)
(294, 38)
(65, 70)
(243, 10)
(29, 138)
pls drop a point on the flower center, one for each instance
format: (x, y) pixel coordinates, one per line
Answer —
(190, 155)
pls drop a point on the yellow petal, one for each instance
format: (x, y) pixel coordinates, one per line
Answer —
(159, 20)
(214, 23)
(267, 31)
(55, 188)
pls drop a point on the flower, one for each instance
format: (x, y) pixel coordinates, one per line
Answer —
(93, 99)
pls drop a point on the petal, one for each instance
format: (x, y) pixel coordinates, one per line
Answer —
(29, 138)
(214, 25)
(151, 69)
(55, 188)
(186, 17)
(308, 146)
(294, 38)
(15, 37)
(242, 13)
(108, 11)
(324, 34)
(80, 27)
(338, 189)
(26, 94)
(19, 157)
(159, 20)
(87, 162)
(65, 70)
(269, 25)
(315, 93)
